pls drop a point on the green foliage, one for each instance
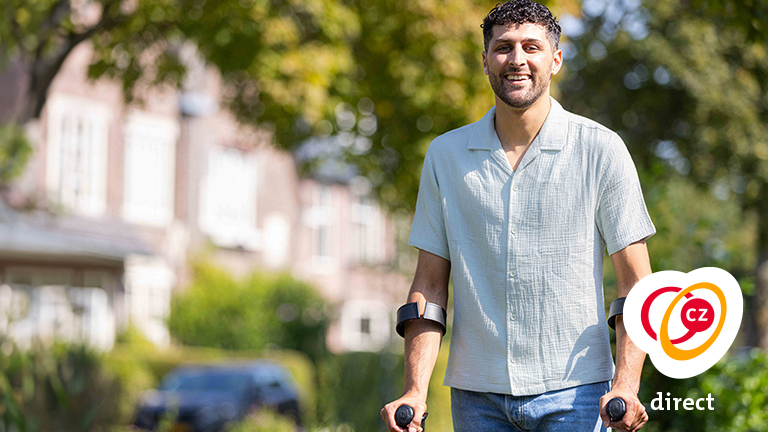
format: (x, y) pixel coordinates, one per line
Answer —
(215, 297)
(260, 311)
(296, 312)
(62, 389)
(689, 93)
(264, 421)
(696, 229)
(737, 383)
(686, 93)
(684, 84)
(386, 76)
(355, 386)
(422, 77)
(15, 151)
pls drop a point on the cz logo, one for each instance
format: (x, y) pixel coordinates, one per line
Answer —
(685, 322)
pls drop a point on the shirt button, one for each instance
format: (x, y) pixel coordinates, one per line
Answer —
(512, 360)
(512, 273)
(514, 230)
(513, 317)
(514, 188)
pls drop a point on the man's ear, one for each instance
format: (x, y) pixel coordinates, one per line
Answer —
(485, 63)
(557, 62)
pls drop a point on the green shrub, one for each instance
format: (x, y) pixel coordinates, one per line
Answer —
(355, 386)
(217, 311)
(264, 421)
(59, 389)
(260, 311)
(738, 385)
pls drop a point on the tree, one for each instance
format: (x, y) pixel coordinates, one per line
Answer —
(684, 84)
(295, 48)
(383, 77)
(419, 75)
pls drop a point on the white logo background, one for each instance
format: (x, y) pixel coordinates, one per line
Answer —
(649, 284)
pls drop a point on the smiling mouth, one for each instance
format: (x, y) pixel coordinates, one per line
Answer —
(517, 78)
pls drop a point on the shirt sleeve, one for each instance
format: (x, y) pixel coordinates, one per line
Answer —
(428, 228)
(622, 217)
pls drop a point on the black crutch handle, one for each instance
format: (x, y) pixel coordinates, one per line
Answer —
(404, 416)
(616, 408)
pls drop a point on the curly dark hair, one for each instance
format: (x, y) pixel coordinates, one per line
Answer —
(520, 12)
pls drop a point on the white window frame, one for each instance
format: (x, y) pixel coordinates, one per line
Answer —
(320, 219)
(368, 242)
(68, 150)
(149, 138)
(321, 229)
(230, 180)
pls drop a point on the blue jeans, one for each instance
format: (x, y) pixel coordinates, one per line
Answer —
(575, 409)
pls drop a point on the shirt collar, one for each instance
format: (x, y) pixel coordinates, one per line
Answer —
(552, 136)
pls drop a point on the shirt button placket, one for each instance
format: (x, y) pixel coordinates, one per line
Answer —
(511, 325)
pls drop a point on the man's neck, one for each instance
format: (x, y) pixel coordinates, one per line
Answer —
(516, 128)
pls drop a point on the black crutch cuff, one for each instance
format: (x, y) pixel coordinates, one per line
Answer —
(410, 311)
(617, 308)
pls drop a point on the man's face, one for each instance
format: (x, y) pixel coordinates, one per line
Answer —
(520, 63)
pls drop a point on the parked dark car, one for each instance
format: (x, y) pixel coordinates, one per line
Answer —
(206, 398)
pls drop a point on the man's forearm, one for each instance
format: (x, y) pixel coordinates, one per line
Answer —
(423, 337)
(422, 345)
(629, 360)
(631, 265)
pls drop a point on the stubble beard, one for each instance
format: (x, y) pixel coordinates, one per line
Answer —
(532, 95)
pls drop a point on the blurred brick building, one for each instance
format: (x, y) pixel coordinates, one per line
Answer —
(98, 231)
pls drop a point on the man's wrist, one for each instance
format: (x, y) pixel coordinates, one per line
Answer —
(626, 386)
(415, 394)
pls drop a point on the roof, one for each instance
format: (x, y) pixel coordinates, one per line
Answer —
(45, 238)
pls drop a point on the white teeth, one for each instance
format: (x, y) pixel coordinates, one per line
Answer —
(516, 77)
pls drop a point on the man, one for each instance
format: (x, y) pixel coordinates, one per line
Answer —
(522, 205)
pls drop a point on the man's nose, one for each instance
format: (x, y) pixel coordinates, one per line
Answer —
(518, 57)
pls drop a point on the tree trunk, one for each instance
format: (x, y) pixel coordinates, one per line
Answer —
(40, 76)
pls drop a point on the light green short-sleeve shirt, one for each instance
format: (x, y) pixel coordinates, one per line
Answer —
(526, 249)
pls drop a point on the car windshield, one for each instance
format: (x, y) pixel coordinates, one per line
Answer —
(214, 381)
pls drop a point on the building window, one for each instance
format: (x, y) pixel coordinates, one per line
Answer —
(322, 222)
(321, 233)
(367, 231)
(46, 307)
(365, 325)
(228, 199)
(149, 169)
(78, 135)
